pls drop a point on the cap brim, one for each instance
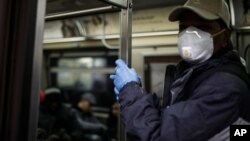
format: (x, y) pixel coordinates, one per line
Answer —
(175, 13)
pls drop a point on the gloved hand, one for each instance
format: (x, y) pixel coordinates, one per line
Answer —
(123, 75)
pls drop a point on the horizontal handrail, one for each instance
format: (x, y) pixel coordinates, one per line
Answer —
(86, 12)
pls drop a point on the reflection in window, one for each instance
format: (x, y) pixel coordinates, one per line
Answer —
(77, 76)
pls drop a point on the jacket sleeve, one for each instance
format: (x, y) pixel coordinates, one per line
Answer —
(211, 108)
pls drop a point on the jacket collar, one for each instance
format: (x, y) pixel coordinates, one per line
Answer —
(185, 71)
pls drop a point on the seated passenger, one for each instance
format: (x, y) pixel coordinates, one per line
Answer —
(54, 117)
(88, 126)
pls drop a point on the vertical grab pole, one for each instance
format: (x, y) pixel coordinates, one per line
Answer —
(125, 51)
(126, 33)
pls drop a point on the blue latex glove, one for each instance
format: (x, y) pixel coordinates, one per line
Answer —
(116, 93)
(123, 75)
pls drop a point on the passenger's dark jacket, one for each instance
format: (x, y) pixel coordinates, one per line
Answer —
(87, 126)
(191, 115)
(56, 122)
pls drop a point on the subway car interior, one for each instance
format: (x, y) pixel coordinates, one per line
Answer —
(57, 55)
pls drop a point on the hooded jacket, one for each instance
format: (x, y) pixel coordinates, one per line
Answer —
(196, 114)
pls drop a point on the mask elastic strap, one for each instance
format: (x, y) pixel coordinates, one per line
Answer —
(218, 33)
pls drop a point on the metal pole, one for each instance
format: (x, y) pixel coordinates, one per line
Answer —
(125, 51)
(119, 3)
(92, 11)
(126, 33)
(36, 70)
(21, 26)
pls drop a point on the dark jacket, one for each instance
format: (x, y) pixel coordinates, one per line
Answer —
(56, 122)
(87, 126)
(195, 114)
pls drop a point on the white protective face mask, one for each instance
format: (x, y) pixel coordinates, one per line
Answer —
(196, 46)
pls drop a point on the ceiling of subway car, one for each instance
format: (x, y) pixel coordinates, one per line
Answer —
(58, 6)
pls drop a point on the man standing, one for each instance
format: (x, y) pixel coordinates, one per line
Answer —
(204, 98)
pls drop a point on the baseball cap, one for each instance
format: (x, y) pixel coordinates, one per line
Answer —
(207, 9)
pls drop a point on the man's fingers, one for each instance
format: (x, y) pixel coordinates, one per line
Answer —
(120, 63)
(133, 70)
(116, 91)
(112, 77)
